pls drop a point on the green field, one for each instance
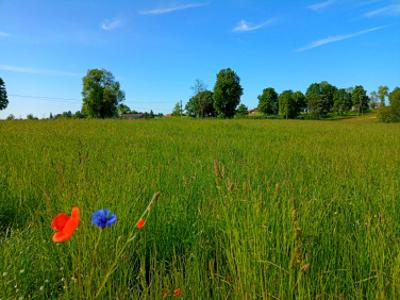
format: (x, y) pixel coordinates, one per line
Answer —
(249, 209)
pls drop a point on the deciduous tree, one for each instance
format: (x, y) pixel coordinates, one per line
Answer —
(3, 95)
(101, 94)
(227, 93)
(268, 102)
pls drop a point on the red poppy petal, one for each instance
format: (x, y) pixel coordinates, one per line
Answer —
(69, 227)
(59, 221)
(140, 224)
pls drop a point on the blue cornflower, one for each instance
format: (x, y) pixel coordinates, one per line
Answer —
(103, 218)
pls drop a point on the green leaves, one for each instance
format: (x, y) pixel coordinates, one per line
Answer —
(101, 94)
(227, 93)
(3, 95)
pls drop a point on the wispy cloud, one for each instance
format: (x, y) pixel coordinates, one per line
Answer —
(321, 5)
(30, 70)
(386, 10)
(338, 38)
(4, 34)
(170, 9)
(109, 25)
(244, 26)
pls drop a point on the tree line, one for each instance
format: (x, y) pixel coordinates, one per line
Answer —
(321, 100)
(103, 97)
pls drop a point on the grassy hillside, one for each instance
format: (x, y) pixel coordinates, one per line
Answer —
(248, 209)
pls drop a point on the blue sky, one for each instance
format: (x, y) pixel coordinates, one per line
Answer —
(156, 49)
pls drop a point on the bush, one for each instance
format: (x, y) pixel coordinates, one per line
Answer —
(388, 115)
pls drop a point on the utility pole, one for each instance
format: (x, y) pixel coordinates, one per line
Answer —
(181, 110)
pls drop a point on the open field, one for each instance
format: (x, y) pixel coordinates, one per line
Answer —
(248, 208)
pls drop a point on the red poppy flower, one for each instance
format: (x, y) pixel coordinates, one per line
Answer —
(177, 292)
(65, 225)
(140, 224)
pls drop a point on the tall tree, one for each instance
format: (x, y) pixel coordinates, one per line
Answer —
(300, 101)
(360, 99)
(342, 102)
(383, 92)
(315, 105)
(101, 94)
(288, 107)
(392, 112)
(394, 99)
(201, 105)
(227, 93)
(326, 92)
(268, 102)
(3, 95)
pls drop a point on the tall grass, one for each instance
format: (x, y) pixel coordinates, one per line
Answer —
(248, 209)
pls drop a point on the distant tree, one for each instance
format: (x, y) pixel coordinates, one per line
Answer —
(177, 109)
(391, 113)
(360, 99)
(3, 95)
(151, 114)
(123, 109)
(201, 105)
(31, 117)
(315, 104)
(66, 114)
(101, 94)
(51, 116)
(242, 110)
(11, 117)
(394, 99)
(326, 92)
(373, 96)
(198, 87)
(268, 102)
(287, 105)
(383, 92)
(342, 102)
(227, 93)
(79, 115)
(300, 101)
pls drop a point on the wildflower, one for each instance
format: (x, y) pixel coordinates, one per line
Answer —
(140, 224)
(103, 218)
(41, 288)
(21, 271)
(65, 225)
(177, 292)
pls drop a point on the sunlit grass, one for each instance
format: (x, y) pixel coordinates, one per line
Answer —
(248, 208)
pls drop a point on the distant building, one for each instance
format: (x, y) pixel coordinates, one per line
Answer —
(132, 116)
(253, 111)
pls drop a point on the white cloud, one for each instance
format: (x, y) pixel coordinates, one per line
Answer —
(387, 10)
(170, 9)
(30, 70)
(321, 5)
(244, 26)
(337, 38)
(4, 34)
(109, 25)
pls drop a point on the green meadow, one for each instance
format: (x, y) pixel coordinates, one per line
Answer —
(248, 209)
